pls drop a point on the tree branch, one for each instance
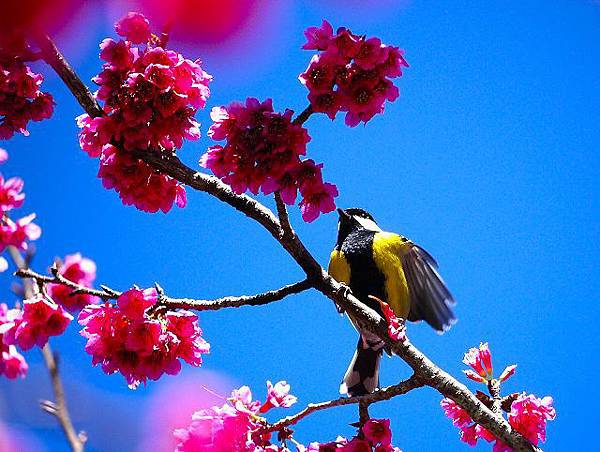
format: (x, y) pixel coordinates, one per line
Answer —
(106, 293)
(383, 394)
(236, 302)
(58, 408)
(430, 374)
(284, 218)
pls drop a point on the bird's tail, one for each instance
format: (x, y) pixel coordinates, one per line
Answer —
(362, 376)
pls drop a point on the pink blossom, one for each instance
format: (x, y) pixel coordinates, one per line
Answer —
(528, 415)
(3, 156)
(357, 445)
(12, 363)
(3, 264)
(263, 152)
(508, 372)
(19, 233)
(351, 74)
(318, 198)
(21, 100)
(318, 38)
(140, 341)
(11, 196)
(377, 431)
(39, 319)
(396, 328)
(150, 98)
(79, 270)
(134, 27)
(138, 183)
(278, 396)
(480, 360)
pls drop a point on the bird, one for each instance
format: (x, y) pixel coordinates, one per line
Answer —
(378, 265)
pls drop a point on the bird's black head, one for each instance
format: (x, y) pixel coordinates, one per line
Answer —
(354, 219)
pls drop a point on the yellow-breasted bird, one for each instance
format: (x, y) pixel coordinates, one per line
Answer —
(387, 266)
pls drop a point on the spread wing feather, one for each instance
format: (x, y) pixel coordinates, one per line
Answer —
(430, 299)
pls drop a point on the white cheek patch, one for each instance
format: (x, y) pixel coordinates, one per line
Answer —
(369, 225)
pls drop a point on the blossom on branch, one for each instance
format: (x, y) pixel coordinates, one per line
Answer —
(21, 99)
(12, 363)
(79, 270)
(264, 151)
(528, 414)
(141, 339)
(150, 97)
(350, 74)
(39, 319)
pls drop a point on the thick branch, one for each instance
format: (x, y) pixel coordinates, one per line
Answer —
(428, 372)
(383, 394)
(58, 408)
(61, 66)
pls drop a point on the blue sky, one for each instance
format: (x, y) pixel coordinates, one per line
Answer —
(488, 159)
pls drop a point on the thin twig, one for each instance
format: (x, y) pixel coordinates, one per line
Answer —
(58, 408)
(236, 302)
(383, 394)
(428, 372)
(303, 116)
(106, 293)
(284, 218)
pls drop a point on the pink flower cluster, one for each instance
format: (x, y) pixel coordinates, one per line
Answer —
(263, 152)
(12, 363)
(528, 414)
(350, 74)
(376, 436)
(140, 339)
(236, 425)
(480, 360)
(79, 270)
(21, 100)
(39, 319)
(150, 97)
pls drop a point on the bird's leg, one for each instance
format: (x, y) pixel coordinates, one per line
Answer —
(342, 292)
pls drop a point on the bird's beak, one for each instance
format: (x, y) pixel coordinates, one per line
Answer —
(343, 215)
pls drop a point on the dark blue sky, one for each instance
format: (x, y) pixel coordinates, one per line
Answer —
(488, 159)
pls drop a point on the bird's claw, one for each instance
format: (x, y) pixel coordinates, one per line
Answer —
(342, 292)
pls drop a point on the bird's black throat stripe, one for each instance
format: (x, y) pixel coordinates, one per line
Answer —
(365, 278)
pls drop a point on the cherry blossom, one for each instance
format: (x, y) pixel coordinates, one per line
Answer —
(12, 363)
(139, 339)
(150, 97)
(264, 151)
(39, 319)
(11, 196)
(351, 74)
(278, 396)
(79, 270)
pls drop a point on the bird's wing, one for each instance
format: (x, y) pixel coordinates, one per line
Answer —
(430, 299)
